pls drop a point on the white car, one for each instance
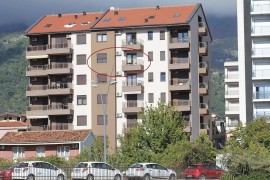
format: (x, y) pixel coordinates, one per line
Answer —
(147, 171)
(95, 170)
(37, 170)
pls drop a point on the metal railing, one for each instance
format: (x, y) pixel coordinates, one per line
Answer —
(37, 67)
(262, 95)
(232, 76)
(179, 40)
(51, 127)
(49, 107)
(232, 92)
(179, 61)
(232, 108)
(263, 114)
(261, 73)
(133, 103)
(52, 86)
(48, 46)
(133, 62)
(261, 51)
(133, 83)
(258, 8)
(260, 30)
(132, 41)
(60, 65)
(180, 82)
(179, 102)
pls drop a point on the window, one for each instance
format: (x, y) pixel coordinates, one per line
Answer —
(163, 97)
(150, 56)
(102, 37)
(101, 57)
(150, 97)
(150, 77)
(162, 55)
(18, 152)
(162, 35)
(81, 59)
(81, 120)
(101, 78)
(81, 100)
(63, 151)
(100, 120)
(100, 98)
(121, 19)
(162, 77)
(40, 151)
(81, 79)
(81, 39)
(107, 19)
(150, 35)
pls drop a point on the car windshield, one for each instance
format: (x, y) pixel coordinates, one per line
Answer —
(81, 165)
(136, 166)
(192, 166)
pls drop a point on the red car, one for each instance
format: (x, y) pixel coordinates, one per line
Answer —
(203, 171)
(7, 173)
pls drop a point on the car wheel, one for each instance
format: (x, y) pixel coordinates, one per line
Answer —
(60, 177)
(202, 177)
(117, 177)
(30, 177)
(146, 177)
(172, 177)
(89, 177)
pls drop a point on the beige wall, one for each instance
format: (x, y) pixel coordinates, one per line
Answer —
(108, 68)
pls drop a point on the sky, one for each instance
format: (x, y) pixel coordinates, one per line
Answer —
(29, 11)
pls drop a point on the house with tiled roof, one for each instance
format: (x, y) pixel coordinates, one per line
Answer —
(62, 143)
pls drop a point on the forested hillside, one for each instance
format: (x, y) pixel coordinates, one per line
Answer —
(13, 81)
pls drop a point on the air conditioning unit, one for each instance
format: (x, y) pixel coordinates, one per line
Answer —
(69, 117)
(34, 79)
(118, 94)
(118, 53)
(118, 136)
(118, 73)
(75, 146)
(118, 115)
(118, 33)
(34, 39)
(68, 36)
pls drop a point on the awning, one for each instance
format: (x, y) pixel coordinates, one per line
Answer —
(37, 57)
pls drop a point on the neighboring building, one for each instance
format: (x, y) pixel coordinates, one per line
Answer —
(219, 131)
(64, 143)
(175, 39)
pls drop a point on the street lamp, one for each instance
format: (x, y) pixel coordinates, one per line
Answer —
(104, 108)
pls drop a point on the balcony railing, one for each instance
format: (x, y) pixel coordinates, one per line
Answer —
(179, 40)
(179, 60)
(48, 46)
(260, 30)
(232, 76)
(60, 65)
(180, 82)
(263, 114)
(132, 103)
(264, 73)
(261, 51)
(262, 95)
(52, 127)
(178, 102)
(232, 92)
(258, 8)
(233, 123)
(232, 108)
(133, 83)
(48, 107)
(37, 67)
(53, 86)
(133, 62)
(132, 41)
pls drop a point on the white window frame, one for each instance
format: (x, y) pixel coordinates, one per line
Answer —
(40, 151)
(102, 37)
(18, 152)
(63, 151)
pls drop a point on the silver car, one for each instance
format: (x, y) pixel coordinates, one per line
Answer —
(147, 171)
(37, 170)
(95, 170)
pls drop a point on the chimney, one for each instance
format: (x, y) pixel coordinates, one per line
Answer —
(59, 15)
(96, 18)
(146, 20)
(115, 13)
(84, 13)
(75, 16)
(157, 7)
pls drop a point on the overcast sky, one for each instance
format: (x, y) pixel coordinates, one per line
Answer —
(28, 11)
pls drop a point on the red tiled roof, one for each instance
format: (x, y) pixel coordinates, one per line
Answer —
(13, 124)
(137, 16)
(57, 24)
(45, 136)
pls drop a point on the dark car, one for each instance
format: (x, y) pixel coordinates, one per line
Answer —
(7, 173)
(203, 171)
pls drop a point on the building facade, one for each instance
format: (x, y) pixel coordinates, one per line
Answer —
(158, 54)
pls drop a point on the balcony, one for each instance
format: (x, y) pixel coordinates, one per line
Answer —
(232, 93)
(133, 44)
(37, 70)
(203, 48)
(133, 65)
(42, 51)
(261, 74)
(232, 109)
(203, 68)
(132, 106)
(179, 63)
(260, 31)
(179, 43)
(203, 108)
(231, 77)
(204, 129)
(181, 105)
(202, 29)
(263, 96)
(53, 89)
(263, 114)
(260, 8)
(233, 123)
(260, 52)
(203, 88)
(179, 84)
(46, 110)
(132, 87)
(67, 126)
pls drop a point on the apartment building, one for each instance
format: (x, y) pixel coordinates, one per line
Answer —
(156, 54)
(253, 65)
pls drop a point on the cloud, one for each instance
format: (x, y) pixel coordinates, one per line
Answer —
(28, 11)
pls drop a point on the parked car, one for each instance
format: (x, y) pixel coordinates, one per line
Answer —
(37, 170)
(6, 174)
(95, 170)
(147, 171)
(203, 171)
